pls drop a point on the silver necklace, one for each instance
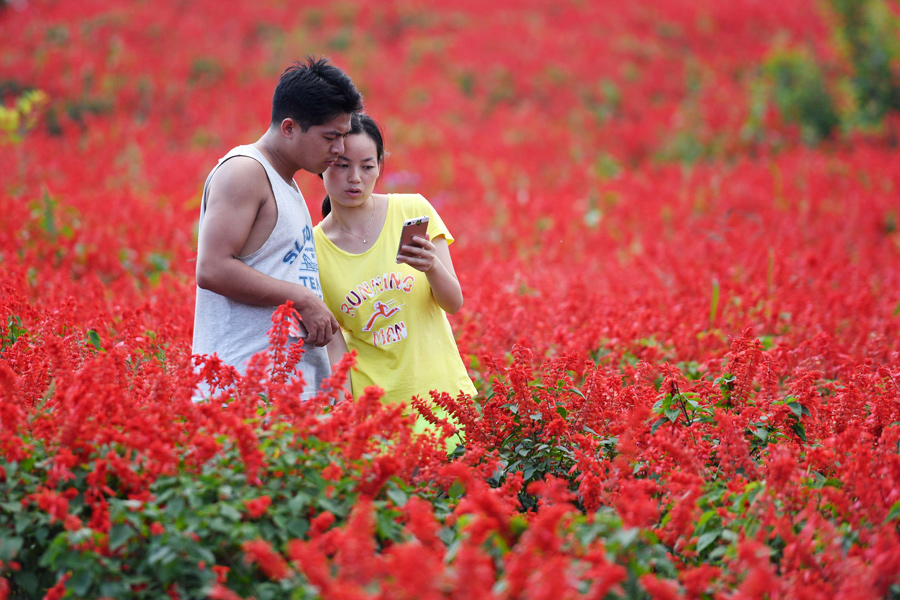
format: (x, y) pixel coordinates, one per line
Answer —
(366, 233)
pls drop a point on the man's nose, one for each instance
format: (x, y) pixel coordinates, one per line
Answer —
(338, 147)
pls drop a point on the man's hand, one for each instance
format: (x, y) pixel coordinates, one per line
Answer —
(320, 324)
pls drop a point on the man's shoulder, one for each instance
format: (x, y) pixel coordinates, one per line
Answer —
(239, 175)
(240, 166)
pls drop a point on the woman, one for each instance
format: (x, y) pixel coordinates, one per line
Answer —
(391, 306)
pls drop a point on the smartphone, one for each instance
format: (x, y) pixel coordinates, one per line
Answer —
(417, 226)
(296, 329)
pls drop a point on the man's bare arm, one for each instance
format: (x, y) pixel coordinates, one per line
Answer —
(238, 191)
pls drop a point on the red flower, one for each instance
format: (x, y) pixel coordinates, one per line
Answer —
(320, 523)
(257, 506)
(56, 505)
(660, 588)
(268, 561)
(332, 472)
(220, 592)
(58, 590)
(72, 523)
(221, 573)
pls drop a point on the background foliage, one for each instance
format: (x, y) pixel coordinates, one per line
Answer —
(677, 238)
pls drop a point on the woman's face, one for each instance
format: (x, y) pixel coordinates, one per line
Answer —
(351, 179)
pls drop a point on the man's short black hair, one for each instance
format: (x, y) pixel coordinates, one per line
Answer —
(313, 93)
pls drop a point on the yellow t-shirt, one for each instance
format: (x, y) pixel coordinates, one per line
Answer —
(402, 337)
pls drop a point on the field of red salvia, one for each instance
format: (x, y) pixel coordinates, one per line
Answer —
(682, 320)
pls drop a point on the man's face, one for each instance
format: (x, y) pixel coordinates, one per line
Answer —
(318, 147)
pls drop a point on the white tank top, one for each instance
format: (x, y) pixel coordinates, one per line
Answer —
(236, 331)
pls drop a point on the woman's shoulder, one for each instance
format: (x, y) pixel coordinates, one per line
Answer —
(410, 202)
(322, 231)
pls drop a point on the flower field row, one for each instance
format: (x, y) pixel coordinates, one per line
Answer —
(682, 311)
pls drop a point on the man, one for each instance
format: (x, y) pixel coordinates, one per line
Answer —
(255, 246)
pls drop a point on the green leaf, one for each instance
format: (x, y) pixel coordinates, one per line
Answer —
(386, 526)
(118, 535)
(9, 547)
(81, 582)
(626, 537)
(800, 430)
(672, 414)
(707, 539)
(659, 422)
(578, 392)
(41, 534)
(297, 527)
(331, 506)
(894, 513)
(705, 517)
(714, 303)
(528, 472)
(457, 489)
(116, 589)
(397, 496)
(14, 324)
(798, 409)
(517, 525)
(229, 512)
(161, 555)
(94, 339)
(298, 503)
(28, 581)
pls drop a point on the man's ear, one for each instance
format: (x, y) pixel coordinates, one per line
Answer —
(289, 127)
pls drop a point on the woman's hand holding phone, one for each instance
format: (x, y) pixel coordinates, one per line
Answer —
(416, 249)
(432, 258)
(419, 253)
